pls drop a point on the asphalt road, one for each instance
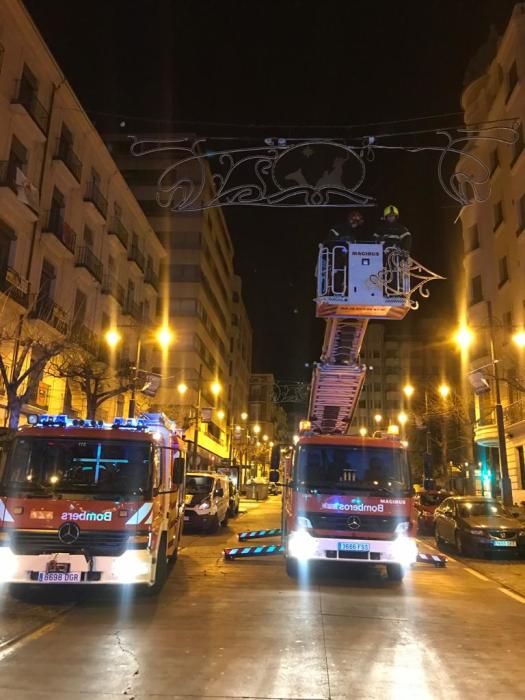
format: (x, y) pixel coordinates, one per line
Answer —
(244, 630)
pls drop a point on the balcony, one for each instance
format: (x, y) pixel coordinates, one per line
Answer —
(17, 193)
(60, 235)
(50, 313)
(94, 198)
(136, 256)
(14, 286)
(116, 228)
(87, 260)
(113, 288)
(72, 166)
(151, 278)
(131, 308)
(25, 103)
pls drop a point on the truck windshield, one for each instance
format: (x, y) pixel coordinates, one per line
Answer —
(350, 468)
(62, 465)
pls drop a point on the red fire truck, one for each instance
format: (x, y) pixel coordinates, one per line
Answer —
(348, 499)
(82, 502)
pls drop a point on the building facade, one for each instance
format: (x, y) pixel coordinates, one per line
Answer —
(494, 243)
(201, 297)
(77, 254)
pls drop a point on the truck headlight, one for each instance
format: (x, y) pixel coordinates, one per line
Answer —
(402, 528)
(301, 545)
(129, 567)
(404, 550)
(8, 564)
(303, 522)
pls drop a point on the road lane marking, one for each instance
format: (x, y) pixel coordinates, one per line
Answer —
(511, 594)
(11, 646)
(476, 574)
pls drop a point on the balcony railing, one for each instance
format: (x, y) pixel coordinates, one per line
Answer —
(131, 308)
(111, 286)
(86, 258)
(136, 255)
(85, 337)
(67, 155)
(118, 229)
(54, 315)
(515, 412)
(14, 286)
(28, 99)
(94, 195)
(58, 227)
(151, 278)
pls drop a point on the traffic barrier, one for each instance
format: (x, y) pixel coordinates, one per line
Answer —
(257, 551)
(259, 534)
(439, 560)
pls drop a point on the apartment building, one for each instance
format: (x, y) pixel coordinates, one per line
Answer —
(494, 241)
(201, 299)
(77, 254)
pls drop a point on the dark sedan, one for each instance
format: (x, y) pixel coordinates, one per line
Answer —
(476, 525)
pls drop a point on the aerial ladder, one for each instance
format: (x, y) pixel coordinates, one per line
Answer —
(356, 282)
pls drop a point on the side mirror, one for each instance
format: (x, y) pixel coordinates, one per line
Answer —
(274, 476)
(275, 459)
(177, 475)
(219, 492)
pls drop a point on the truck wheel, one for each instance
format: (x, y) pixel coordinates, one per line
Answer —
(292, 568)
(395, 572)
(161, 570)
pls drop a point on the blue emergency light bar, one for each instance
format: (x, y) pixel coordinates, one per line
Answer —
(62, 421)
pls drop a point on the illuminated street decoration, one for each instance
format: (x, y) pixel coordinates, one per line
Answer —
(308, 172)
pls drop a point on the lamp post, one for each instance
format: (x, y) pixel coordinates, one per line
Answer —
(163, 336)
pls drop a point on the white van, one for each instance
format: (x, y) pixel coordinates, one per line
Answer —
(207, 501)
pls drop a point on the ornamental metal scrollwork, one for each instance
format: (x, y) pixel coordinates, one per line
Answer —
(307, 173)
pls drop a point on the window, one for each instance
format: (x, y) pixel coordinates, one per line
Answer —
(472, 238)
(111, 263)
(521, 214)
(88, 237)
(7, 236)
(476, 290)
(512, 79)
(185, 273)
(503, 269)
(498, 215)
(494, 161)
(521, 462)
(79, 313)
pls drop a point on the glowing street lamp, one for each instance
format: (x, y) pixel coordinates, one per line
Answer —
(220, 414)
(519, 339)
(165, 337)
(182, 388)
(256, 429)
(402, 418)
(244, 415)
(363, 431)
(464, 338)
(408, 390)
(378, 418)
(216, 388)
(444, 390)
(112, 338)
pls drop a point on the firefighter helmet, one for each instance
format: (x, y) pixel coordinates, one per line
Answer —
(391, 210)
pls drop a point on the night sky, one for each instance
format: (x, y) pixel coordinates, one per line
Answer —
(288, 69)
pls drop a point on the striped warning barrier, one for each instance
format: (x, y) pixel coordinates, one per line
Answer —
(437, 559)
(259, 534)
(257, 551)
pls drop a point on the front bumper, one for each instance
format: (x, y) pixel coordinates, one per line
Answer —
(489, 544)
(403, 550)
(194, 519)
(134, 566)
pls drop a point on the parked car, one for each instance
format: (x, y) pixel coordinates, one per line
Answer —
(477, 525)
(234, 499)
(207, 501)
(425, 503)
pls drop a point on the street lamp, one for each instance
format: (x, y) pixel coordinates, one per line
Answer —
(444, 390)
(408, 390)
(464, 337)
(363, 431)
(402, 419)
(378, 418)
(164, 337)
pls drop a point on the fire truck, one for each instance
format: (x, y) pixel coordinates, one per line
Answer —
(83, 502)
(349, 498)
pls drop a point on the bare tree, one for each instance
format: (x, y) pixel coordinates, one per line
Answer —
(97, 381)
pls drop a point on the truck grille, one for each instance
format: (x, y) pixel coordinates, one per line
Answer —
(101, 543)
(367, 523)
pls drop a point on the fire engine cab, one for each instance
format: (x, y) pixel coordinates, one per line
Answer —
(83, 502)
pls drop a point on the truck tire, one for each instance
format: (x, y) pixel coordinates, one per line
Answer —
(213, 526)
(292, 568)
(395, 572)
(161, 570)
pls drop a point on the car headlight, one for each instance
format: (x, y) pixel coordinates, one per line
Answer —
(303, 522)
(129, 567)
(478, 533)
(301, 545)
(8, 564)
(203, 507)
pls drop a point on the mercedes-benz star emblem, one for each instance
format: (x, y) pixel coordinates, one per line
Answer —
(68, 533)
(353, 522)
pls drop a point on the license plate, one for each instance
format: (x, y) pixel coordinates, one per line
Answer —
(504, 543)
(353, 547)
(57, 577)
